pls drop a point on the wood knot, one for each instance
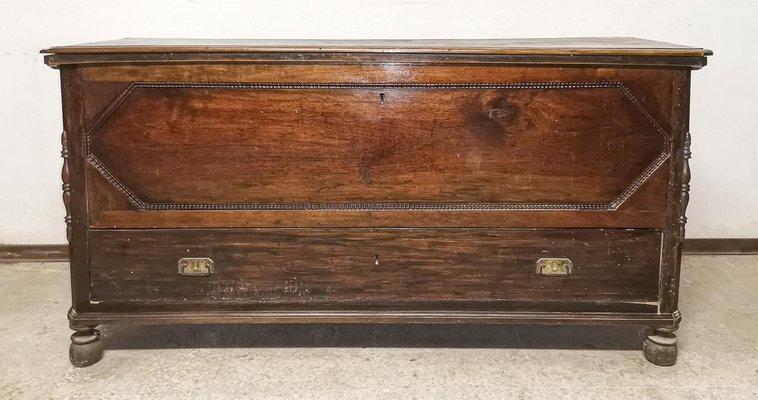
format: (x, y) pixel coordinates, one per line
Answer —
(499, 114)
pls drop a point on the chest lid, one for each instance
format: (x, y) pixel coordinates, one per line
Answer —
(598, 50)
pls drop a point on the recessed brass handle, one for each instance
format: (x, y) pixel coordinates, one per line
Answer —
(555, 266)
(196, 266)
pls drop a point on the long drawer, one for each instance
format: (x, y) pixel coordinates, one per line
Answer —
(377, 268)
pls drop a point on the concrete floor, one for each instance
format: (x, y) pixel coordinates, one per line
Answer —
(718, 352)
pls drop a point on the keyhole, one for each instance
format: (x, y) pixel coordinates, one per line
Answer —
(376, 259)
(381, 98)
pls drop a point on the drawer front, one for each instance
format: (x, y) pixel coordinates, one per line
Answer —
(508, 146)
(387, 268)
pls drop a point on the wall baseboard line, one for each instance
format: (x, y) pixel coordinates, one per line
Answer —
(33, 252)
(721, 246)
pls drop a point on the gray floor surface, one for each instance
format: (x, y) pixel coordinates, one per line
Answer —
(718, 352)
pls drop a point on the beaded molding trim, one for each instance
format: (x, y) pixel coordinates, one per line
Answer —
(373, 206)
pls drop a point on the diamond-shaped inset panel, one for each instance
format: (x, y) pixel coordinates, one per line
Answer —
(401, 146)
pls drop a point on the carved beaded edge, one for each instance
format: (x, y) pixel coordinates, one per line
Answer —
(373, 206)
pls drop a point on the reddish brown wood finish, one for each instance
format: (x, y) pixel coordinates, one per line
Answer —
(555, 158)
(257, 146)
(454, 166)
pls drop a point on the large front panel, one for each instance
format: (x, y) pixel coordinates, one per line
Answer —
(199, 146)
(259, 146)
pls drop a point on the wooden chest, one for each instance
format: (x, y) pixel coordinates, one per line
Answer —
(488, 181)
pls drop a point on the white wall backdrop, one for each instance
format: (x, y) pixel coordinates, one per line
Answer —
(724, 196)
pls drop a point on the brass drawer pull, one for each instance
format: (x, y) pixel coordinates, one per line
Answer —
(195, 266)
(554, 266)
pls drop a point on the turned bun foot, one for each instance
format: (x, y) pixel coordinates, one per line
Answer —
(660, 348)
(86, 347)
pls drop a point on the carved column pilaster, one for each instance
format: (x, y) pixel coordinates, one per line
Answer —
(66, 186)
(685, 194)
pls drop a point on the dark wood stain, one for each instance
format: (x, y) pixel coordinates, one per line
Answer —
(357, 182)
(368, 267)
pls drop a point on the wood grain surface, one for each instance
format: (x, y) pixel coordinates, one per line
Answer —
(565, 51)
(359, 268)
(440, 135)
(573, 145)
(587, 45)
(413, 181)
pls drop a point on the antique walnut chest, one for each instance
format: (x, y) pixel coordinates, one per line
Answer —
(436, 181)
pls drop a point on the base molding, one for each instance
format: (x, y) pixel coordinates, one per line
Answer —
(665, 321)
(10, 253)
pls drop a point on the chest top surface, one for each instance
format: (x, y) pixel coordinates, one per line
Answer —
(593, 50)
(577, 46)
